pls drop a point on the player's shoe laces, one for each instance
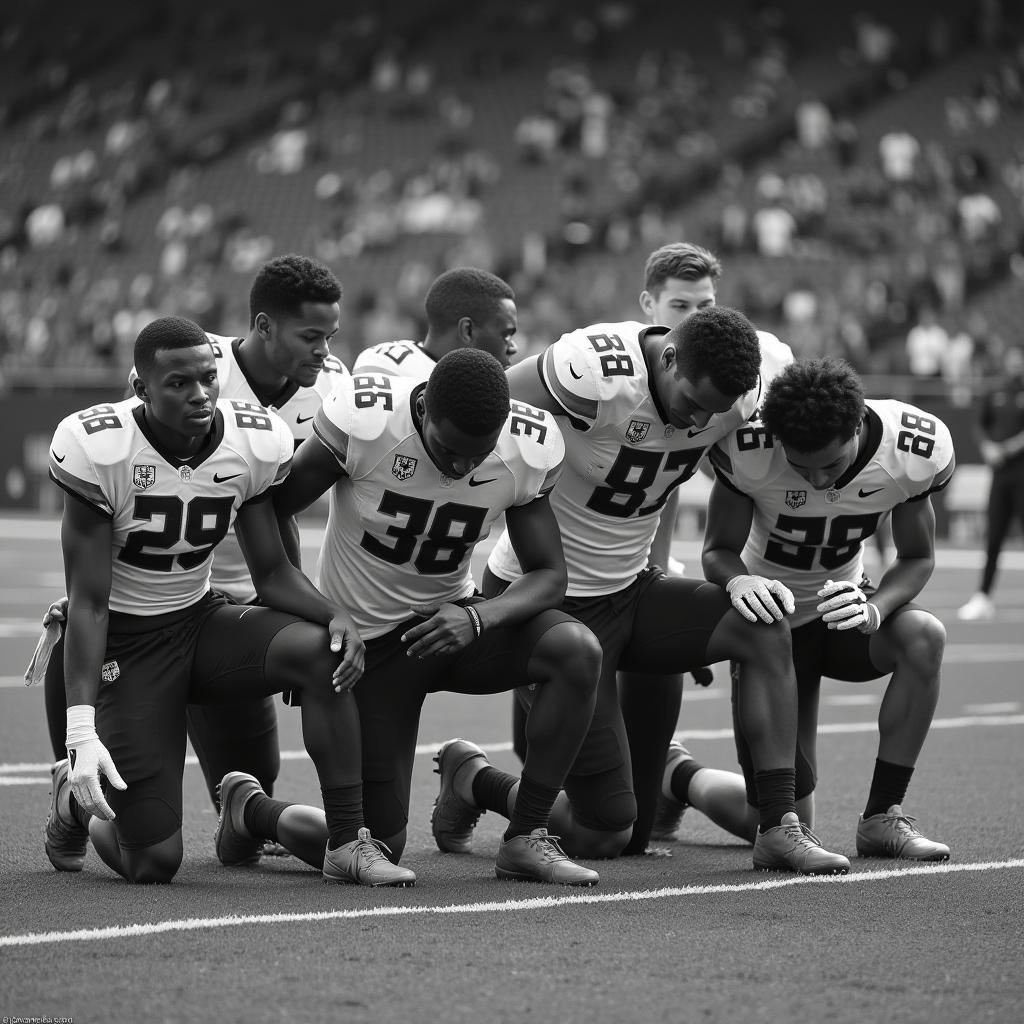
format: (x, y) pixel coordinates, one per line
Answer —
(364, 862)
(792, 846)
(980, 606)
(66, 839)
(538, 858)
(668, 812)
(235, 847)
(893, 835)
(453, 819)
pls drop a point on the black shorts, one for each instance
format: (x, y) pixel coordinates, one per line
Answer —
(212, 652)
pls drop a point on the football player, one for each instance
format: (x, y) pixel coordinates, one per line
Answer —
(284, 364)
(419, 473)
(466, 308)
(796, 498)
(153, 486)
(642, 404)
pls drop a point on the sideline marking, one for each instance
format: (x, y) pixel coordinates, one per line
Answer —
(539, 903)
(425, 749)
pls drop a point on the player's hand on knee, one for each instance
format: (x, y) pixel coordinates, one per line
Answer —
(90, 761)
(846, 606)
(345, 639)
(448, 628)
(757, 597)
(57, 612)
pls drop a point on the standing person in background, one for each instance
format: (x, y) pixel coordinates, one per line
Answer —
(1001, 442)
(284, 364)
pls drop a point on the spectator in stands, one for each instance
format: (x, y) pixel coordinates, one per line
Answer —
(926, 346)
(1001, 442)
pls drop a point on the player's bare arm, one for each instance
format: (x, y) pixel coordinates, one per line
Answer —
(525, 385)
(913, 534)
(754, 597)
(280, 585)
(314, 471)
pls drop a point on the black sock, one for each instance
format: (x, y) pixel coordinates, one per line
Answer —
(260, 816)
(343, 806)
(776, 795)
(491, 788)
(888, 786)
(532, 809)
(681, 777)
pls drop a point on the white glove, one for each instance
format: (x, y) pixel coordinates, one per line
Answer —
(846, 606)
(36, 670)
(89, 759)
(756, 597)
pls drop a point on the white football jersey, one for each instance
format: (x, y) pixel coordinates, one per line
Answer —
(804, 536)
(623, 458)
(296, 406)
(168, 515)
(401, 532)
(396, 359)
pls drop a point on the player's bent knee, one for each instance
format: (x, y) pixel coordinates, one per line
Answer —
(154, 865)
(598, 844)
(570, 651)
(300, 659)
(922, 640)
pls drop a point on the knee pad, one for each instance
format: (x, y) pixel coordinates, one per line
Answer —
(604, 802)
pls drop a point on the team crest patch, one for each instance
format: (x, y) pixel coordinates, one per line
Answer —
(404, 466)
(110, 671)
(795, 499)
(637, 431)
(143, 476)
(185, 472)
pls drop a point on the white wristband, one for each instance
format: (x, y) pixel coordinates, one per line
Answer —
(81, 724)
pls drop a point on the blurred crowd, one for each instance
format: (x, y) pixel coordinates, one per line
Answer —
(871, 245)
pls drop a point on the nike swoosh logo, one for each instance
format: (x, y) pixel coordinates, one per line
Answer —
(218, 479)
(693, 433)
(476, 483)
(303, 419)
(867, 494)
(578, 376)
(58, 458)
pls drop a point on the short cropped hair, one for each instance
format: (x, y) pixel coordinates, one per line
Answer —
(464, 291)
(468, 387)
(719, 343)
(168, 332)
(285, 282)
(812, 403)
(682, 260)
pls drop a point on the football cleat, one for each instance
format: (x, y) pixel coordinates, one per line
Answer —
(669, 811)
(537, 857)
(980, 606)
(453, 819)
(893, 835)
(364, 861)
(792, 846)
(236, 848)
(66, 840)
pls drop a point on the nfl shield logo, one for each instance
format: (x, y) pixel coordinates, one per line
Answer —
(794, 499)
(404, 466)
(110, 671)
(143, 476)
(637, 431)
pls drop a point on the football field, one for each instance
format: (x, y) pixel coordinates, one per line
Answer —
(693, 934)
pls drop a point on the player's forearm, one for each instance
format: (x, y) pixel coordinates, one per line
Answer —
(721, 564)
(85, 643)
(902, 582)
(289, 590)
(533, 592)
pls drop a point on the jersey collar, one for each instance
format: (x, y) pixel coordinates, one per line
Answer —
(276, 400)
(655, 330)
(872, 427)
